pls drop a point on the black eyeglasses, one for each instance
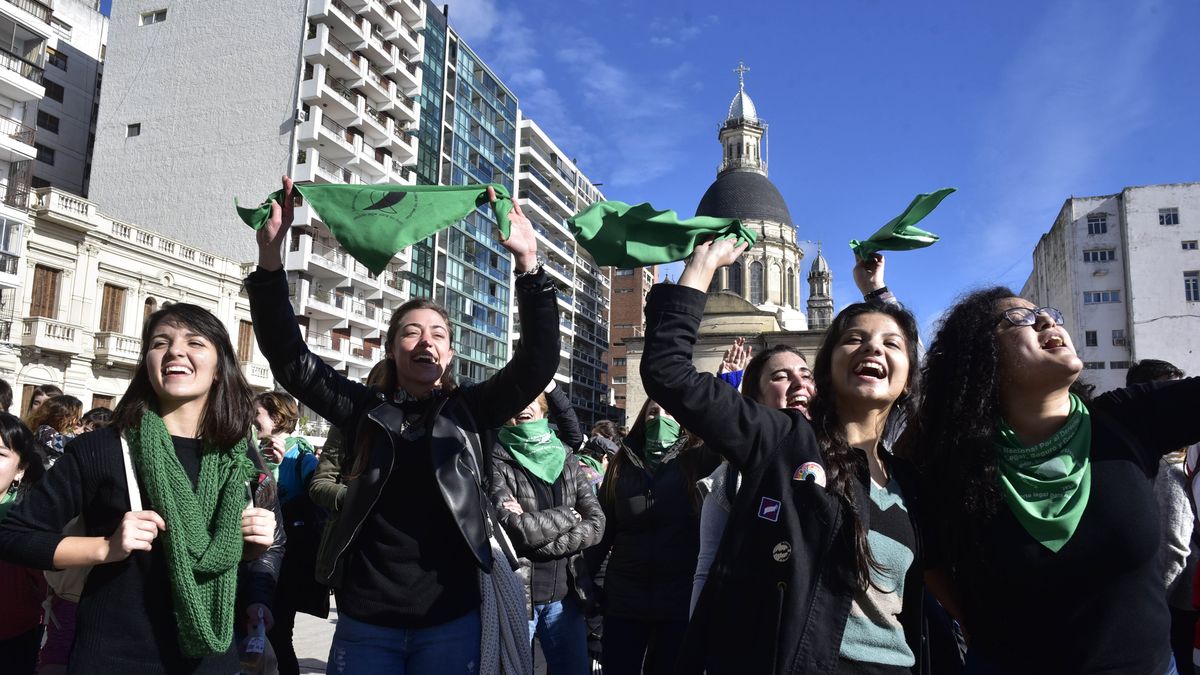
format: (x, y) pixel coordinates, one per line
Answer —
(1027, 316)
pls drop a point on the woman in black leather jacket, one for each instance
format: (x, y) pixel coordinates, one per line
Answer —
(412, 536)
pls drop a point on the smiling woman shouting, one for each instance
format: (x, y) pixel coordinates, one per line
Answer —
(412, 537)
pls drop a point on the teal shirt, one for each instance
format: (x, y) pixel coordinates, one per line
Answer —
(296, 469)
(873, 630)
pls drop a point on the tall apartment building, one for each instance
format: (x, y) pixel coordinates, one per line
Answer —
(629, 290)
(550, 190)
(25, 27)
(66, 118)
(90, 282)
(1125, 271)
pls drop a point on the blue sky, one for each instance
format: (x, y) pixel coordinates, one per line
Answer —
(1018, 104)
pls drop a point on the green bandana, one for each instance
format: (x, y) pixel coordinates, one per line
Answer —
(624, 236)
(374, 222)
(899, 234)
(203, 540)
(661, 434)
(7, 501)
(536, 448)
(1047, 486)
(592, 462)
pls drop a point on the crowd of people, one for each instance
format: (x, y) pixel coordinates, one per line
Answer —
(972, 510)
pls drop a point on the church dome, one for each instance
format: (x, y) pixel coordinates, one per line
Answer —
(820, 266)
(746, 195)
(742, 108)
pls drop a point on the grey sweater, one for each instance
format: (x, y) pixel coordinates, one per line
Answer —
(1180, 535)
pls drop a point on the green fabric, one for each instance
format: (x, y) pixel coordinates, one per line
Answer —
(535, 447)
(7, 500)
(624, 236)
(203, 539)
(374, 222)
(661, 434)
(592, 462)
(900, 234)
(1047, 485)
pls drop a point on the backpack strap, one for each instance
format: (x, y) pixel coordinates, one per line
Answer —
(135, 492)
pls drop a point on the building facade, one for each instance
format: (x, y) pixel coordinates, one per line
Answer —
(66, 118)
(1124, 269)
(629, 290)
(89, 283)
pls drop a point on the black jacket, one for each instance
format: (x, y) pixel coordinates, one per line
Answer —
(652, 532)
(541, 535)
(758, 614)
(460, 429)
(563, 416)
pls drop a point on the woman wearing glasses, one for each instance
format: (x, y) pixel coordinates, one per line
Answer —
(1043, 529)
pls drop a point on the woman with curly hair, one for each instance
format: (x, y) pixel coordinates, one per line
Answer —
(820, 569)
(53, 423)
(1046, 536)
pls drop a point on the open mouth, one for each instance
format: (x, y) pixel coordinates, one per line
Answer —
(797, 399)
(871, 369)
(176, 369)
(525, 416)
(425, 357)
(1054, 342)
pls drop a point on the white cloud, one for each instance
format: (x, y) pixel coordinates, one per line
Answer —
(474, 20)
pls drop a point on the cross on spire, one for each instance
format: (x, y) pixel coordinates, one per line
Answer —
(741, 71)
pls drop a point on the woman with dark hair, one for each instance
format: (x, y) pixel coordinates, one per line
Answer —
(6, 395)
(1046, 544)
(410, 557)
(53, 423)
(38, 396)
(96, 418)
(22, 589)
(820, 570)
(161, 593)
(651, 539)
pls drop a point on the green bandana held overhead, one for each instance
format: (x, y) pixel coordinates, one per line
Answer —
(536, 448)
(374, 222)
(661, 433)
(900, 234)
(203, 539)
(624, 236)
(1046, 486)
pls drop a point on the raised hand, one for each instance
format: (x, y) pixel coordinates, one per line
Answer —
(521, 241)
(707, 258)
(136, 532)
(736, 357)
(868, 274)
(272, 234)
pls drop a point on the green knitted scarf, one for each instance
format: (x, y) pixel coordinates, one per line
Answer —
(203, 540)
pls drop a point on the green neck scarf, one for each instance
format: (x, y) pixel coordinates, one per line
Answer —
(374, 222)
(7, 501)
(624, 236)
(594, 463)
(535, 447)
(661, 435)
(203, 539)
(901, 233)
(1047, 486)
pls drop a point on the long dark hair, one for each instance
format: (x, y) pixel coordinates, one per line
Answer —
(752, 375)
(637, 435)
(229, 411)
(17, 438)
(842, 462)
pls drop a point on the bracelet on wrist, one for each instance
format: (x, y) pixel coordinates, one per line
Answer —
(877, 294)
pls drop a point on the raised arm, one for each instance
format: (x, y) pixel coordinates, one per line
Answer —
(563, 414)
(868, 276)
(1162, 414)
(739, 429)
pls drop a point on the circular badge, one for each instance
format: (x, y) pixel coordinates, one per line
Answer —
(811, 471)
(782, 551)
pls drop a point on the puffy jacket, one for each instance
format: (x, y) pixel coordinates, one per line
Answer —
(540, 535)
(459, 434)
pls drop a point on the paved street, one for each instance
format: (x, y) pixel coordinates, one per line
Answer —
(312, 637)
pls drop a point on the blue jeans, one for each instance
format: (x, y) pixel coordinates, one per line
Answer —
(563, 633)
(452, 647)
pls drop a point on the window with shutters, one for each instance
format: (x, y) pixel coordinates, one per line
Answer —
(45, 292)
(757, 294)
(245, 341)
(150, 307)
(112, 309)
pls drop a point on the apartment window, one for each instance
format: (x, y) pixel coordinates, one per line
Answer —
(1168, 216)
(1097, 223)
(156, 16)
(619, 362)
(39, 182)
(1118, 365)
(103, 401)
(1089, 338)
(132, 130)
(45, 291)
(44, 154)
(1118, 337)
(246, 341)
(47, 121)
(1189, 245)
(1099, 297)
(54, 90)
(619, 379)
(112, 308)
(1100, 255)
(624, 273)
(56, 58)
(1191, 286)
(1093, 365)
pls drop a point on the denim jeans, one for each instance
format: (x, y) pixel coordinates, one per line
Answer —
(561, 629)
(452, 648)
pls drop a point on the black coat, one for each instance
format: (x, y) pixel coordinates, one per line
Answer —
(762, 611)
(540, 535)
(460, 432)
(652, 533)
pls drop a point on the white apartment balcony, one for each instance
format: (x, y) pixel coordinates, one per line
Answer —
(313, 167)
(257, 376)
(333, 99)
(116, 349)
(66, 209)
(409, 41)
(20, 80)
(31, 15)
(331, 139)
(326, 261)
(390, 289)
(560, 204)
(15, 198)
(376, 126)
(555, 176)
(319, 306)
(335, 14)
(407, 74)
(541, 207)
(402, 106)
(323, 345)
(398, 173)
(376, 48)
(371, 10)
(51, 335)
(378, 88)
(16, 141)
(413, 12)
(340, 60)
(403, 144)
